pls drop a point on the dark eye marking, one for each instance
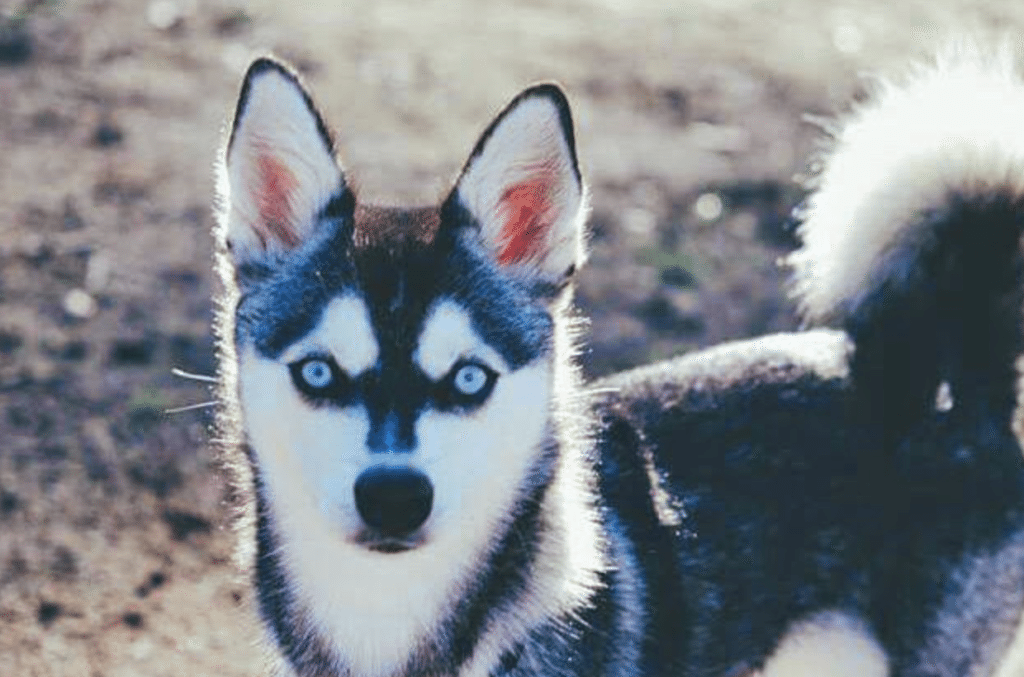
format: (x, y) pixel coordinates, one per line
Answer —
(466, 385)
(320, 378)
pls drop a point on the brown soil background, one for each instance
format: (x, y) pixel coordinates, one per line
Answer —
(114, 557)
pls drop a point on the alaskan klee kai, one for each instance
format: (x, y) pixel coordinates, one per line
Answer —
(432, 489)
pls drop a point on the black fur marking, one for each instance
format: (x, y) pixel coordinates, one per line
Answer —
(950, 312)
(298, 642)
(510, 660)
(287, 300)
(581, 643)
(626, 488)
(504, 577)
(340, 207)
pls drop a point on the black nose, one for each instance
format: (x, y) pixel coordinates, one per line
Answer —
(394, 501)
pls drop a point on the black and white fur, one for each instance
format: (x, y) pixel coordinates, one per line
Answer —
(829, 503)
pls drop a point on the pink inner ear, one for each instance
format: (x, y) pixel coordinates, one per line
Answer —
(528, 217)
(276, 186)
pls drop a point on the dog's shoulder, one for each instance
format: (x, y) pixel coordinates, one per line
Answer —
(757, 408)
(790, 370)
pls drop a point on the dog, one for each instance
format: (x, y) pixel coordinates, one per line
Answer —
(429, 487)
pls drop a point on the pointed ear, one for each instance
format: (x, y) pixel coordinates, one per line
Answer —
(279, 173)
(522, 186)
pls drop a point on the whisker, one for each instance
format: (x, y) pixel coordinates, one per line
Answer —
(191, 407)
(181, 373)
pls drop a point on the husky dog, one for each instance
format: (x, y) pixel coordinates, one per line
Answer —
(420, 446)
(434, 491)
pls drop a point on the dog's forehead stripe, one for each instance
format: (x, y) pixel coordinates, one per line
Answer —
(345, 332)
(447, 336)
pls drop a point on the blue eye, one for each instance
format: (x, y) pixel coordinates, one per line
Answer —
(470, 379)
(467, 386)
(321, 381)
(317, 374)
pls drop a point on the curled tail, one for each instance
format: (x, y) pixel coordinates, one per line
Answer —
(911, 240)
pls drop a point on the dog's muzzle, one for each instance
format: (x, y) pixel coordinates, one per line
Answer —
(393, 502)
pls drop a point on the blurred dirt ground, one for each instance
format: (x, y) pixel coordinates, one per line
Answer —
(114, 559)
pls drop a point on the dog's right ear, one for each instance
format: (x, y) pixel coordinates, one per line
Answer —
(280, 174)
(523, 190)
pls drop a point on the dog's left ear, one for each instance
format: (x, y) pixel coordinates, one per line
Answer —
(522, 187)
(279, 173)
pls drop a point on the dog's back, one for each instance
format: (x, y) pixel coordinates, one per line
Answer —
(852, 503)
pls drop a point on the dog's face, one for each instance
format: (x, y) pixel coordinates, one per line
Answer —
(395, 365)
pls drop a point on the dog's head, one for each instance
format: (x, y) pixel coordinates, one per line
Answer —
(396, 366)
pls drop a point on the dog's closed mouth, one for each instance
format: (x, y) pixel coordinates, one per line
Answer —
(388, 545)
